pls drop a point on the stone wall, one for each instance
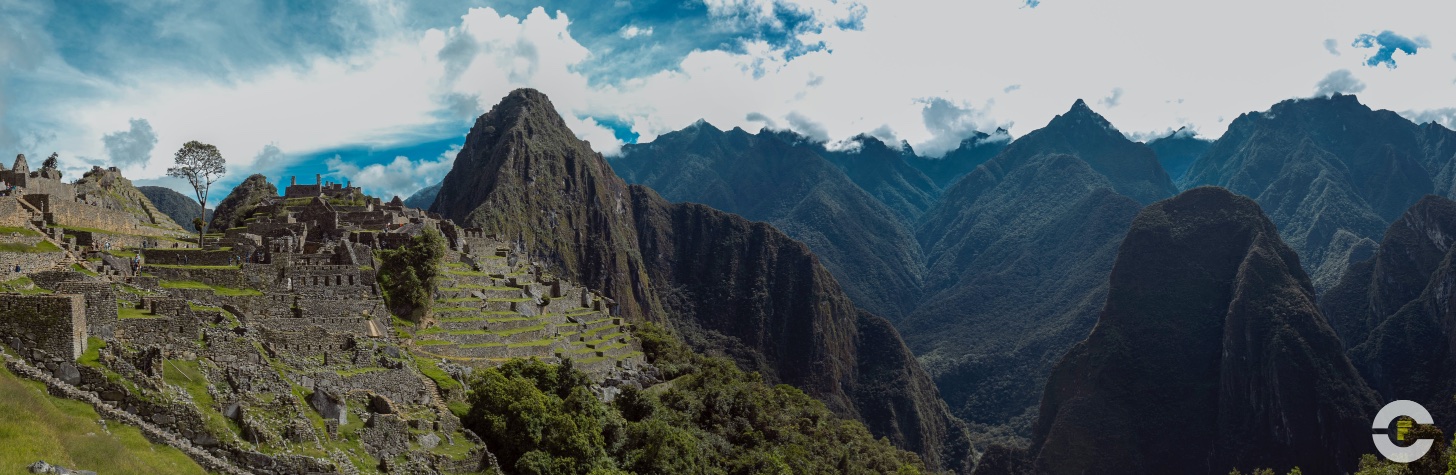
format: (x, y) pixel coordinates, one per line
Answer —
(12, 213)
(28, 262)
(64, 210)
(55, 324)
(101, 310)
(192, 257)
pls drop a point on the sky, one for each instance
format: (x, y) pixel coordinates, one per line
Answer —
(381, 93)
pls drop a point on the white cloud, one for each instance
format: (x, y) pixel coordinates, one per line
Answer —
(412, 85)
(400, 177)
(632, 31)
(1332, 46)
(1339, 81)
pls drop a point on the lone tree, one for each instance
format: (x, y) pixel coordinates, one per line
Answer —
(202, 165)
(52, 161)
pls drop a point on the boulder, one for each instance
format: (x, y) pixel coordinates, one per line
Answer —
(330, 405)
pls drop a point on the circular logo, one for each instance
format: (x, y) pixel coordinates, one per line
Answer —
(1390, 412)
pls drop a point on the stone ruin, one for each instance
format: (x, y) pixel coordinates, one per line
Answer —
(271, 349)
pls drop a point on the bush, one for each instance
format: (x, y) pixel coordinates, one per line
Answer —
(409, 275)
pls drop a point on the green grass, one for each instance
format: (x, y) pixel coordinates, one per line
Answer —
(124, 311)
(433, 371)
(462, 319)
(22, 285)
(92, 356)
(467, 332)
(43, 246)
(21, 231)
(524, 344)
(517, 331)
(192, 284)
(122, 254)
(433, 343)
(36, 426)
(482, 345)
(455, 309)
(82, 269)
(186, 375)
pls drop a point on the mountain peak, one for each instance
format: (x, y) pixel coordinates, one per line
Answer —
(1080, 114)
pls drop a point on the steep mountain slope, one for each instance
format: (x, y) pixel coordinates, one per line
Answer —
(728, 283)
(762, 177)
(884, 173)
(1393, 310)
(424, 198)
(1018, 255)
(1330, 172)
(1209, 354)
(1177, 151)
(972, 152)
(106, 187)
(173, 204)
(240, 202)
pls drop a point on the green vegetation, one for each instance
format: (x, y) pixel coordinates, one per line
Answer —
(188, 376)
(82, 269)
(42, 246)
(410, 275)
(92, 356)
(35, 426)
(192, 284)
(21, 231)
(712, 418)
(21, 285)
(125, 311)
(433, 371)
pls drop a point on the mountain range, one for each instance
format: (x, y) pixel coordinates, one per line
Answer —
(730, 285)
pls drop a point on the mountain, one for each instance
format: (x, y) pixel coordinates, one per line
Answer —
(729, 284)
(239, 203)
(105, 187)
(1018, 255)
(1209, 354)
(884, 172)
(424, 198)
(1393, 310)
(173, 204)
(1178, 150)
(1330, 172)
(767, 178)
(972, 152)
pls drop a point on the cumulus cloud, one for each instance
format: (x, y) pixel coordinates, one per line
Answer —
(767, 122)
(400, 177)
(949, 123)
(807, 127)
(1031, 3)
(132, 146)
(1386, 44)
(1341, 81)
(632, 31)
(269, 158)
(887, 135)
(1445, 116)
(1112, 99)
(1332, 46)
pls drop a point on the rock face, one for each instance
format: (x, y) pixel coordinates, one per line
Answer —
(1394, 312)
(1209, 355)
(175, 205)
(1330, 172)
(238, 204)
(1018, 255)
(776, 177)
(726, 282)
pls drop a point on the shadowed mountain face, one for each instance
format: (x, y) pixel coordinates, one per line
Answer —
(1209, 355)
(884, 173)
(175, 205)
(1394, 312)
(731, 285)
(424, 198)
(1178, 151)
(1018, 255)
(1331, 173)
(768, 178)
(973, 151)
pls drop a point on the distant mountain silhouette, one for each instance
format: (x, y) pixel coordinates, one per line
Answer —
(730, 285)
(972, 152)
(1177, 152)
(1209, 354)
(177, 206)
(1330, 172)
(424, 198)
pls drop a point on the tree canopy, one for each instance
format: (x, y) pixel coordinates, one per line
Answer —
(201, 165)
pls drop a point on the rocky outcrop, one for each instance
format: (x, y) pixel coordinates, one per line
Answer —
(741, 286)
(1394, 311)
(1209, 354)
(240, 202)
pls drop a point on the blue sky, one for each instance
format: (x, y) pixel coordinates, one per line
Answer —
(382, 92)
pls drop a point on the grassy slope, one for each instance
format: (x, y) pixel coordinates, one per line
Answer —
(36, 426)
